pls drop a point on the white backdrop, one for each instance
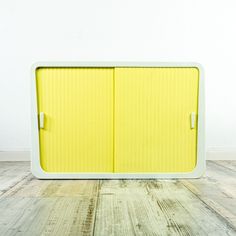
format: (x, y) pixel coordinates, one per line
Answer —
(122, 30)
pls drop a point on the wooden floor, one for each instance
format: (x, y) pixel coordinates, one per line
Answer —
(205, 206)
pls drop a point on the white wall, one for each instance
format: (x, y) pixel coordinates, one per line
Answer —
(122, 30)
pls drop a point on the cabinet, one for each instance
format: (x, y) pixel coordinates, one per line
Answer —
(117, 120)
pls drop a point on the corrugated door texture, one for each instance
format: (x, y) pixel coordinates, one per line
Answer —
(152, 119)
(78, 107)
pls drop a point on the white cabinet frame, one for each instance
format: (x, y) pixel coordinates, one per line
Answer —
(35, 153)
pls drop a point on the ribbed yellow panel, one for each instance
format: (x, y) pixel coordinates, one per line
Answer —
(152, 119)
(78, 107)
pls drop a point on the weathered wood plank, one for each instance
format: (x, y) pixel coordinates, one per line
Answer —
(47, 216)
(11, 173)
(217, 189)
(150, 207)
(32, 187)
(229, 164)
(10, 167)
(47, 207)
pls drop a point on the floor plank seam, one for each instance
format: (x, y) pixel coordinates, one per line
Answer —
(222, 166)
(6, 191)
(96, 207)
(212, 209)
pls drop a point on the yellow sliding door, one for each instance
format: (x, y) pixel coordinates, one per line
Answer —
(77, 104)
(153, 108)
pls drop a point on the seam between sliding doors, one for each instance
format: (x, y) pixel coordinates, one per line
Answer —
(113, 120)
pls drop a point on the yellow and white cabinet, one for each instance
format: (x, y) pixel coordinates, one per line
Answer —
(117, 120)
